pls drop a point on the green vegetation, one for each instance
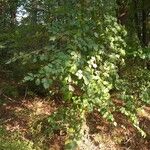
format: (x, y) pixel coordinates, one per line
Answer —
(9, 142)
(88, 55)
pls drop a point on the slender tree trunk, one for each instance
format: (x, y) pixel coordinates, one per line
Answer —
(12, 12)
(144, 23)
(122, 12)
(137, 19)
(12, 17)
(34, 12)
(3, 14)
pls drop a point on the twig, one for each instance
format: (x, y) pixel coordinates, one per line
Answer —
(9, 98)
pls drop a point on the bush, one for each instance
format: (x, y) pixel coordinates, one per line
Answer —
(9, 141)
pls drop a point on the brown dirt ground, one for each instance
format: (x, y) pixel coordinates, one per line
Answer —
(23, 114)
(20, 116)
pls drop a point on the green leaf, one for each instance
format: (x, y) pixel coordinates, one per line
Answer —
(43, 57)
(70, 145)
(71, 88)
(29, 77)
(46, 82)
(37, 82)
(79, 74)
(52, 38)
(86, 81)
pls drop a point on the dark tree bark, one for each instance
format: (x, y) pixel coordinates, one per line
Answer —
(137, 19)
(144, 25)
(144, 22)
(12, 12)
(122, 12)
(34, 12)
(12, 17)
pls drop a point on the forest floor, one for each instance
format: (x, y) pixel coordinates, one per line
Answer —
(25, 116)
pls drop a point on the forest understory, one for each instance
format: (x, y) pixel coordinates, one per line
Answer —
(74, 74)
(23, 119)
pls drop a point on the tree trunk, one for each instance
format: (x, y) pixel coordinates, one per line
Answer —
(144, 24)
(12, 17)
(34, 12)
(137, 19)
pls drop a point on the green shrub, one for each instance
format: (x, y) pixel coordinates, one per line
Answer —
(86, 46)
(11, 141)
